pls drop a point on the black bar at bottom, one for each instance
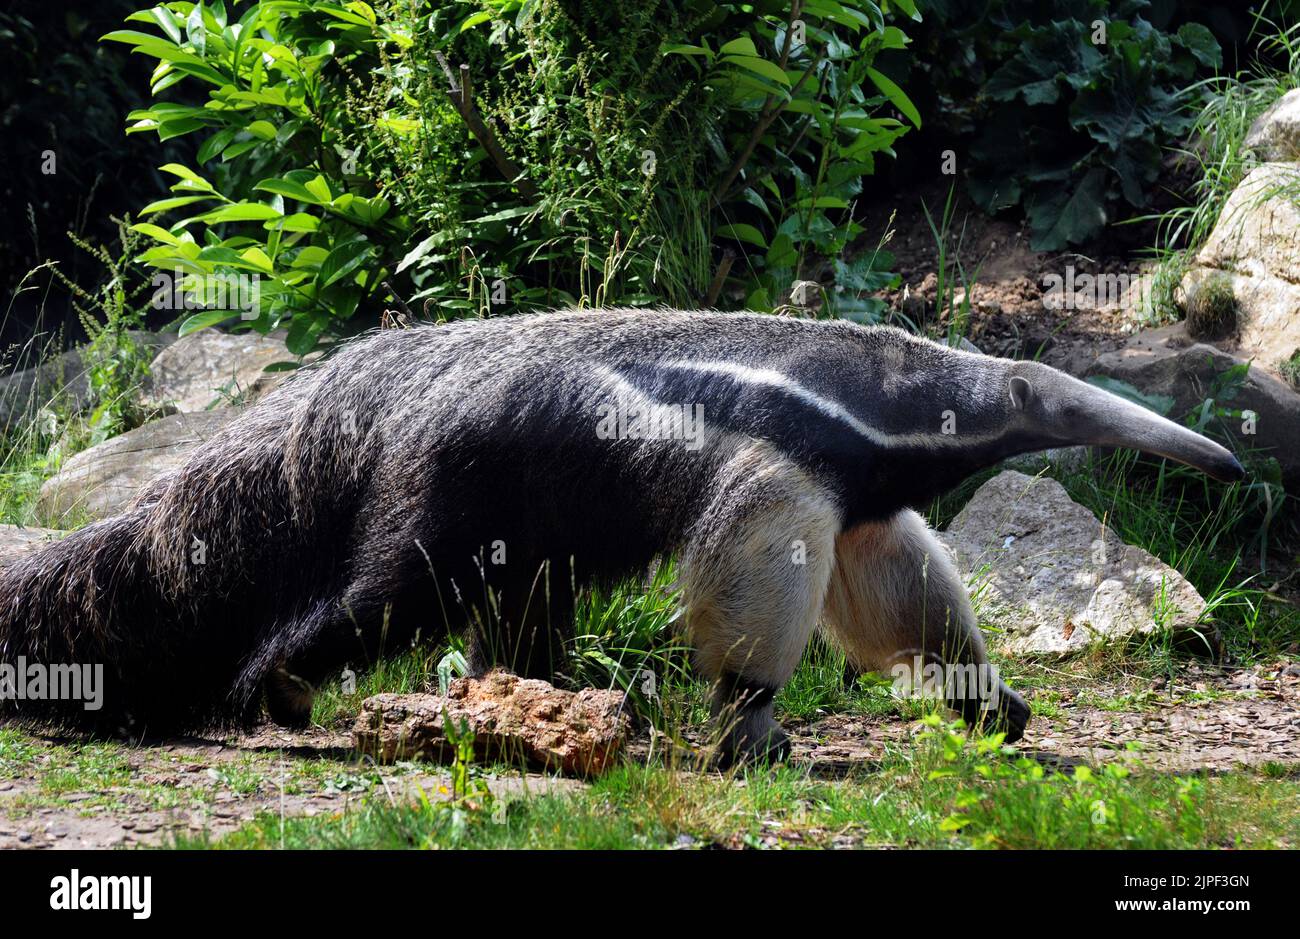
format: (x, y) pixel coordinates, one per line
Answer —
(585, 889)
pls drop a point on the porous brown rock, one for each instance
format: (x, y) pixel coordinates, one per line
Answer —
(511, 718)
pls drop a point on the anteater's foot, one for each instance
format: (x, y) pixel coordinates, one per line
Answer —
(742, 714)
(754, 747)
(1010, 713)
(289, 699)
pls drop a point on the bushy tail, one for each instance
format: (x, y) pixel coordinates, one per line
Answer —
(181, 605)
(88, 641)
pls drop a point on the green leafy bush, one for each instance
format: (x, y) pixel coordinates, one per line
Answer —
(1074, 104)
(637, 153)
(697, 126)
(277, 201)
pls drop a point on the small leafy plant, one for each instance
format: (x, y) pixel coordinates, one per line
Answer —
(1003, 800)
(1212, 308)
(115, 362)
(1290, 370)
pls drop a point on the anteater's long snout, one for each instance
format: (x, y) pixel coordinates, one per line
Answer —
(1165, 438)
(1105, 419)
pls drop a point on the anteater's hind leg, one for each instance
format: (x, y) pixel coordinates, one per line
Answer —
(896, 600)
(390, 599)
(334, 635)
(754, 578)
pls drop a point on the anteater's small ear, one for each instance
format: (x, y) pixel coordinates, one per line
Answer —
(1021, 392)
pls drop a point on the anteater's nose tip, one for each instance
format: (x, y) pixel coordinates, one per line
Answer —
(1234, 472)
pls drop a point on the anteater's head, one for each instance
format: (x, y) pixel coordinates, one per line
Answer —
(1050, 409)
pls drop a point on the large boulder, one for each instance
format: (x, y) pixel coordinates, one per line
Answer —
(105, 479)
(16, 541)
(210, 367)
(1254, 248)
(1275, 135)
(1052, 579)
(1256, 245)
(510, 718)
(1258, 222)
(1166, 362)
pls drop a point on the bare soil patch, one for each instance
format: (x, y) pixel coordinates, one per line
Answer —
(1214, 720)
(1012, 312)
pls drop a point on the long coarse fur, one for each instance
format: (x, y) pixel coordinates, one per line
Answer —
(365, 501)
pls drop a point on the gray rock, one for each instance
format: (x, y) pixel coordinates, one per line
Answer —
(210, 366)
(16, 541)
(1256, 242)
(1275, 135)
(1258, 221)
(1071, 458)
(1051, 579)
(105, 479)
(1166, 362)
(24, 392)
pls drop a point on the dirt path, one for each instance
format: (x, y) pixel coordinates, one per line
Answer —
(112, 796)
(1207, 721)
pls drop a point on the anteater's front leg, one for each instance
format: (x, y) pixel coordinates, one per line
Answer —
(754, 580)
(896, 601)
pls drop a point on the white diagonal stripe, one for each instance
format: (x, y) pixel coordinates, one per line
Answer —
(774, 379)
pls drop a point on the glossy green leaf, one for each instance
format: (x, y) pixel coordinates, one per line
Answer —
(342, 261)
(203, 320)
(896, 96)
